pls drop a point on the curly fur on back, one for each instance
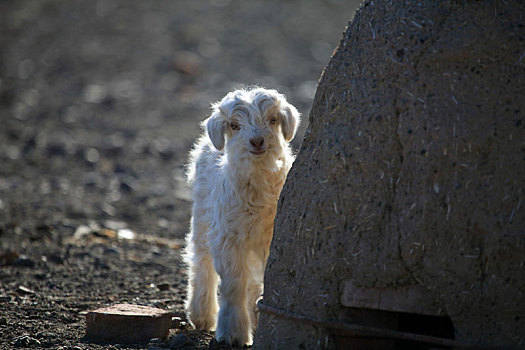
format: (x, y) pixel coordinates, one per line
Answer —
(236, 172)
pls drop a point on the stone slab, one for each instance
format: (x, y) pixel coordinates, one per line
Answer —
(127, 324)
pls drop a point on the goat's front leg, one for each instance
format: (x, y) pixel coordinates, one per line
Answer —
(202, 303)
(255, 286)
(234, 325)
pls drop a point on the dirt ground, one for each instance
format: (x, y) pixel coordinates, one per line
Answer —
(99, 104)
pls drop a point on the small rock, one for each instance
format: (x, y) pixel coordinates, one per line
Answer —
(81, 231)
(25, 341)
(112, 251)
(92, 155)
(127, 184)
(163, 286)
(24, 261)
(3, 321)
(48, 339)
(115, 225)
(188, 63)
(55, 258)
(25, 290)
(178, 341)
(41, 335)
(175, 322)
(126, 234)
(41, 276)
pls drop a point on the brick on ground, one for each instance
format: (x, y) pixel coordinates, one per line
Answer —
(127, 323)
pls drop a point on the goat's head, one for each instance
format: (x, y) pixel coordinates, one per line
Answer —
(252, 122)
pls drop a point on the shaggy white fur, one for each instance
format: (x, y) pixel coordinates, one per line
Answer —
(236, 172)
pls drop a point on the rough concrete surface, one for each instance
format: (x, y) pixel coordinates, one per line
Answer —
(412, 173)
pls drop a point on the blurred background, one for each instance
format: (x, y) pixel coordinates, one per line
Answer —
(100, 101)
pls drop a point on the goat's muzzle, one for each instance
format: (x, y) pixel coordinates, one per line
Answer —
(259, 147)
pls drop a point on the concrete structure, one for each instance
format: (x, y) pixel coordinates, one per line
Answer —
(404, 210)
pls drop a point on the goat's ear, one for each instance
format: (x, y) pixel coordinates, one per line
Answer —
(217, 124)
(290, 121)
(216, 128)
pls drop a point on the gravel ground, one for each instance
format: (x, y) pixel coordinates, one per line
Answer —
(99, 104)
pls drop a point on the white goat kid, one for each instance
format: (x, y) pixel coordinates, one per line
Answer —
(236, 172)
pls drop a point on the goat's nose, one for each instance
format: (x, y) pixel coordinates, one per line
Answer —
(257, 141)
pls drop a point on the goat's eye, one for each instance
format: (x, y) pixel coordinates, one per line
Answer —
(273, 120)
(235, 126)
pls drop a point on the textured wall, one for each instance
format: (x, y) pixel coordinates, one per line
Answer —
(412, 173)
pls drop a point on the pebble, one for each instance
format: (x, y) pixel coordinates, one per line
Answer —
(54, 258)
(25, 290)
(112, 251)
(126, 234)
(24, 261)
(92, 155)
(41, 276)
(41, 335)
(178, 341)
(81, 231)
(127, 184)
(25, 341)
(188, 63)
(175, 322)
(163, 286)
(115, 225)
